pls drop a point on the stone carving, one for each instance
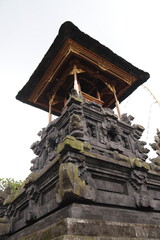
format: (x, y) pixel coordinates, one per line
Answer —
(32, 193)
(127, 118)
(91, 129)
(11, 211)
(39, 161)
(76, 126)
(29, 216)
(2, 210)
(141, 150)
(122, 141)
(138, 179)
(116, 139)
(51, 142)
(101, 135)
(45, 149)
(74, 92)
(42, 133)
(93, 154)
(114, 133)
(3, 195)
(137, 145)
(2, 207)
(156, 147)
(70, 185)
(109, 112)
(76, 123)
(93, 105)
(88, 122)
(138, 189)
(143, 200)
(125, 141)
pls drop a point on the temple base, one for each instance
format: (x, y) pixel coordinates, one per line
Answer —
(68, 224)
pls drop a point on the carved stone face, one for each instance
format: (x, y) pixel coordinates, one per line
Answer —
(143, 200)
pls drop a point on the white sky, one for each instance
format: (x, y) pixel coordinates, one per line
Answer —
(130, 28)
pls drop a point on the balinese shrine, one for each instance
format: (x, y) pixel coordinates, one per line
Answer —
(89, 179)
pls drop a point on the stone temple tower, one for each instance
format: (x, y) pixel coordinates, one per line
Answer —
(89, 178)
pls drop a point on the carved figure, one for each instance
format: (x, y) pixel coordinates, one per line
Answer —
(156, 145)
(35, 161)
(138, 146)
(138, 189)
(42, 133)
(35, 165)
(141, 150)
(76, 123)
(127, 119)
(114, 133)
(138, 179)
(143, 200)
(50, 146)
(71, 185)
(3, 196)
(93, 105)
(126, 142)
(74, 92)
(91, 129)
(39, 161)
(101, 135)
(33, 193)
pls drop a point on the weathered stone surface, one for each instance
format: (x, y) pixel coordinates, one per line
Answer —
(87, 156)
(81, 219)
(84, 229)
(87, 123)
(71, 186)
(156, 146)
(90, 179)
(4, 227)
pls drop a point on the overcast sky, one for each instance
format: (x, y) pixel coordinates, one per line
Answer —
(130, 28)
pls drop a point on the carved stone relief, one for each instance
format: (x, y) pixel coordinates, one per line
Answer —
(100, 127)
(32, 194)
(76, 126)
(156, 147)
(138, 189)
(71, 185)
(127, 118)
(91, 130)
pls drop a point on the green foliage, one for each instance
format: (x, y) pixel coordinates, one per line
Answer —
(10, 183)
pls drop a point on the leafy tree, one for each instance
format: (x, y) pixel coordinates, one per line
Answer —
(10, 183)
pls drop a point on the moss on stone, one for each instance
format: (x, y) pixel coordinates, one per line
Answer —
(32, 236)
(76, 99)
(46, 235)
(69, 181)
(86, 146)
(70, 142)
(136, 162)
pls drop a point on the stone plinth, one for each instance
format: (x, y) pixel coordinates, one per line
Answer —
(91, 180)
(80, 221)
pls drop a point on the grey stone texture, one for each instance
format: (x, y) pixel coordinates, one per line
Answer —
(89, 180)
